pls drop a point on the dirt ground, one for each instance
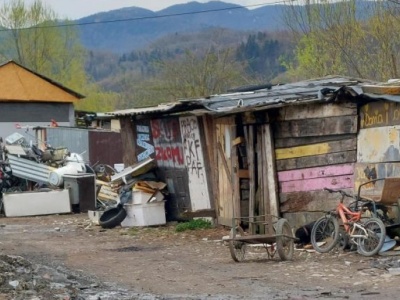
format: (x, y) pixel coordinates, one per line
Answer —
(159, 263)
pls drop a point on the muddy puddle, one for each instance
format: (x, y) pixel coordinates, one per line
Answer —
(21, 279)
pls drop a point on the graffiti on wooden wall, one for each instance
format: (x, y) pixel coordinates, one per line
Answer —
(192, 147)
(167, 142)
(143, 141)
(379, 114)
(194, 161)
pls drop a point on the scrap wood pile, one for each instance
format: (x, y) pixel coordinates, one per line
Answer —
(116, 187)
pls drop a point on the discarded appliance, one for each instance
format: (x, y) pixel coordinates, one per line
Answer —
(21, 204)
(74, 164)
(46, 167)
(82, 191)
(148, 214)
(146, 207)
(53, 168)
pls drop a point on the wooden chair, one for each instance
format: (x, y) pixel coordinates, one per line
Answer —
(389, 195)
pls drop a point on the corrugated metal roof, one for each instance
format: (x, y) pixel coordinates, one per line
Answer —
(307, 91)
(317, 90)
(145, 110)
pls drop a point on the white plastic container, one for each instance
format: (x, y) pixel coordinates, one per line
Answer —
(139, 197)
(94, 216)
(149, 214)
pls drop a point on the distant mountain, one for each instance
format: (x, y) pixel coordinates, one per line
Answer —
(142, 27)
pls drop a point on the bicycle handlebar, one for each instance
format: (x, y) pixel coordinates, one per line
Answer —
(343, 193)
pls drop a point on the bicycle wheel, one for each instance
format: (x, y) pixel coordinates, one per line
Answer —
(325, 234)
(376, 237)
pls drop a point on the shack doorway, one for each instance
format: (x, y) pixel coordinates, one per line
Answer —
(247, 185)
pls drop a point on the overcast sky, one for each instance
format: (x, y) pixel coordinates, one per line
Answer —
(75, 9)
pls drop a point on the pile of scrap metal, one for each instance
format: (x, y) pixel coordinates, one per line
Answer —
(44, 167)
(25, 167)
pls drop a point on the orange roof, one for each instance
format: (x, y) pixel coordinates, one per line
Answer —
(18, 83)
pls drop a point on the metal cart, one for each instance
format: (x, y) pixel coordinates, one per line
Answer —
(275, 234)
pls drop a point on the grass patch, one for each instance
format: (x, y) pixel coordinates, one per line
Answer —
(193, 225)
(133, 231)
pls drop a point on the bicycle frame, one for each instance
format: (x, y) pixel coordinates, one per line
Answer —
(350, 219)
(347, 216)
(354, 237)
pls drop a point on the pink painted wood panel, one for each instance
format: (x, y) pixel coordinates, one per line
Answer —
(327, 171)
(336, 182)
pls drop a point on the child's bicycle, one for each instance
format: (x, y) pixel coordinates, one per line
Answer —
(368, 236)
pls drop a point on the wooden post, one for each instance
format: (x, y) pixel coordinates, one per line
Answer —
(128, 141)
(265, 171)
(210, 163)
(249, 136)
(273, 205)
(235, 174)
(260, 192)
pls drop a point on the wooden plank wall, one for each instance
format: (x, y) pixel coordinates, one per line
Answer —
(227, 206)
(315, 147)
(378, 150)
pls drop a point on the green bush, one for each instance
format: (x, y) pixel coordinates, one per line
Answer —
(193, 225)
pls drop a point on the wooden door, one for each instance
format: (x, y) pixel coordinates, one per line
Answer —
(227, 194)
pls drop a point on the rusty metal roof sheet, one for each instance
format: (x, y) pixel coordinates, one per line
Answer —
(317, 90)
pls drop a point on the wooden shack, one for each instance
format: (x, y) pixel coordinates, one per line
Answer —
(278, 148)
(177, 142)
(274, 150)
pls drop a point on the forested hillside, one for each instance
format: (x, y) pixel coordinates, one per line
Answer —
(134, 57)
(139, 76)
(134, 28)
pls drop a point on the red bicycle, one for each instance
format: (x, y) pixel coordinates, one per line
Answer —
(368, 236)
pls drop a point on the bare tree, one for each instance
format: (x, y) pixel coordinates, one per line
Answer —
(344, 37)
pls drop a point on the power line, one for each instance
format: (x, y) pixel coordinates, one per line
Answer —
(153, 17)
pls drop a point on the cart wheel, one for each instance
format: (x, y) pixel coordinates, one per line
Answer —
(237, 248)
(284, 239)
